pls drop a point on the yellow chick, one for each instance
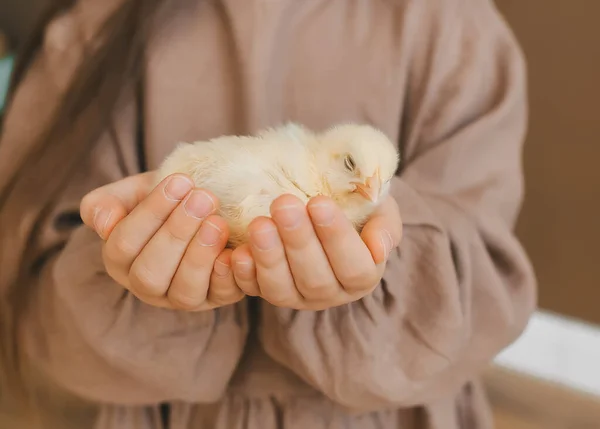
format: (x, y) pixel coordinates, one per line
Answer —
(352, 164)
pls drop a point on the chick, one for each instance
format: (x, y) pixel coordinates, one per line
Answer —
(352, 164)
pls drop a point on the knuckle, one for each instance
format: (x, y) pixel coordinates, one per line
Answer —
(245, 277)
(223, 291)
(224, 296)
(156, 217)
(269, 263)
(187, 291)
(292, 303)
(119, 247)
(281, 301)
(119, 276)
(280, 298)
(272, 261)
(198, 263)
(321, 290)
(160, 302)
(176, 235)
(360, 279)
(247, 285)
(250, 289)
(147, 282)
(185, 302)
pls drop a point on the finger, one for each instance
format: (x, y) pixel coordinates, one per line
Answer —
(348, 255)
(102, 208)
(189, 287)
(133, 232)
(308, 262)
(383, 232)
(154, 269)
(244, 270)
(223, 289)
(273, 274)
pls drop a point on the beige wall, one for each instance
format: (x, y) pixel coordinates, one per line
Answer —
(560, 224)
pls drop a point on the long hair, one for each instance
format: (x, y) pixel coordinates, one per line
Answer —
(28, 195)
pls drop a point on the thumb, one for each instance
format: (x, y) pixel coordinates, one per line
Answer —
(102, 208)
(383, 232)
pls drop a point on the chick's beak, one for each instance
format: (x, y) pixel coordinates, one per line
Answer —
(370, 189)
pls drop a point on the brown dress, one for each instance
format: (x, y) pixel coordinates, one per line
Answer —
(443, 78)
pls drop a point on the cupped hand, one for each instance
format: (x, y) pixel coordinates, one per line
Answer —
(311, 258)
(165, 245)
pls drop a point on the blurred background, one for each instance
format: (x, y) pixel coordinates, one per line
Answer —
(559, 225)
(550, 378)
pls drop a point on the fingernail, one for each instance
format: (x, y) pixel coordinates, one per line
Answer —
(386, 242)
(264, 239)
(177, 188)
(322, 214)
(209, 234)
(288, 216)
(101, 218)
(221, 269)
(199, 205)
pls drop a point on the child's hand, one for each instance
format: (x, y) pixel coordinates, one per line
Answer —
(315, 261)
(164, 245)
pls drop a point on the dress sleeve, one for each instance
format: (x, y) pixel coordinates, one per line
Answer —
(82, 330)
(459, 288)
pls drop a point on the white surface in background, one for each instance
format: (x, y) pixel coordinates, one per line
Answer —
(558, 349)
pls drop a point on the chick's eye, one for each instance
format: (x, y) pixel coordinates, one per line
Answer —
(349, 163)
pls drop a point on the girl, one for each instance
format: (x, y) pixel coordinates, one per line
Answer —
(140, 319)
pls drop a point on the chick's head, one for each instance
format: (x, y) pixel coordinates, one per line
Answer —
(358, 163)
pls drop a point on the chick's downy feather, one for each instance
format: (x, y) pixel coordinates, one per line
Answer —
(350, 163)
